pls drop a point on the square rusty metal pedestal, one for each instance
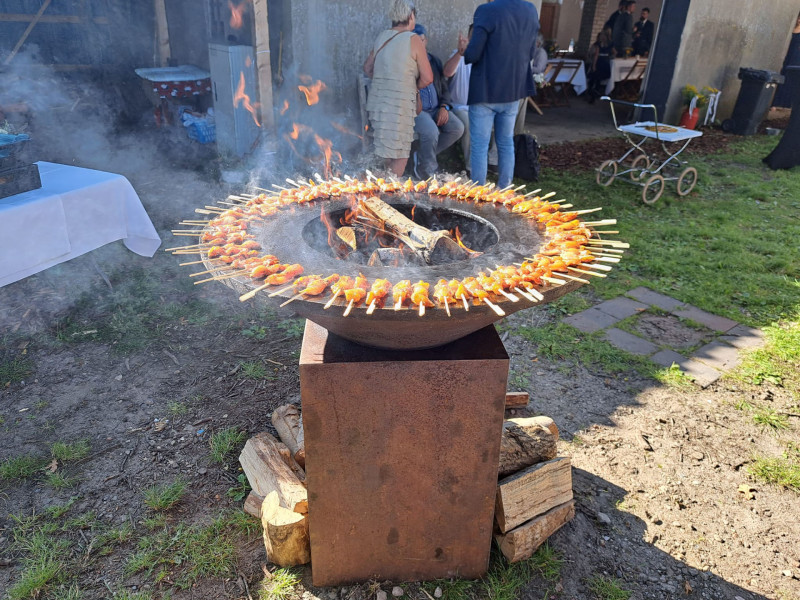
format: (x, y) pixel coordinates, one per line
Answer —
(402, 449)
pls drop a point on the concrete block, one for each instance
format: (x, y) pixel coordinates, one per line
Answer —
(719, 355)
(703, 375)
(744, 337)
(590, 320)
(648, 296)
(706, 319)
(629, 342)
(621, 307)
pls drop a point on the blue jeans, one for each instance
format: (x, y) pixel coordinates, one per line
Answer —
(481, 118)
(434, 139)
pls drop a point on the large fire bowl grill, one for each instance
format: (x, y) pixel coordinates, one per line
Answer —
(305, 227)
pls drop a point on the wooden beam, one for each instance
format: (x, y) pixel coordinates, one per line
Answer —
(23, 18)
(263, 65)
(27, 32)
(517, 399)
(162, 33)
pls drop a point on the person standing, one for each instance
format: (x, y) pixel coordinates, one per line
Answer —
(643, 33)
(622, 33)
(783, 96)
(500, 51)
(436, 130)
(398, 66)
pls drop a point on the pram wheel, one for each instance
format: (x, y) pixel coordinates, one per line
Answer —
(687, 181)
(607, 172)
(652, 189)
(639, 167)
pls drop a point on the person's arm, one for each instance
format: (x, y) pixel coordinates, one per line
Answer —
(369, 64)
(420, 55)
(451, 66)
(476, 46)
(539, 61)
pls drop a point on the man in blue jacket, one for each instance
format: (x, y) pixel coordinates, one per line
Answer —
(500, 50)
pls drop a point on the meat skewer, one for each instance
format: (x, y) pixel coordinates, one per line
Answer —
(441, 291)
(419, 296)
(356, 293)
(379, 290)
(400, 293)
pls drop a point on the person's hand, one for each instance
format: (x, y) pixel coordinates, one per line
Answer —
(442, 117)
(462, 43)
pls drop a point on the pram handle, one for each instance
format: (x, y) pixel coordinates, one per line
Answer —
(613, 101)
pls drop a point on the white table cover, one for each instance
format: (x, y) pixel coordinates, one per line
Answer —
(76, 210)
(620, 67)
(678, 135)
(578, 82)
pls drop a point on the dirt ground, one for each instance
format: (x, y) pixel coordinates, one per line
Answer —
(657, 470)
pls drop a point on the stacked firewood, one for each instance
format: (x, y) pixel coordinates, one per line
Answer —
(534, 492)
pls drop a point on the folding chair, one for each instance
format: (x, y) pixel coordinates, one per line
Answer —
(547, 95)
(569, 67)
(628, 88)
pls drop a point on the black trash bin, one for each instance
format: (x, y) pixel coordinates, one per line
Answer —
(753, 102)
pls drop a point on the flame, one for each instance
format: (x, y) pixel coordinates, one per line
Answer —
(345, 130)
(285, 107)
(413, 208)
(460, 243)
(248, 62)
(240, 96)
(312, 91)
(236, 14)
(326, 220)
(326, 146)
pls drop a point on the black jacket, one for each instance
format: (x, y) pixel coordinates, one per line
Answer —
(439, 82)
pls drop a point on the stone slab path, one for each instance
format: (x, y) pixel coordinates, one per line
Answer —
(705, 365)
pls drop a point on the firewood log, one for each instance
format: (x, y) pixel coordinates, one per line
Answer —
(517, 399)
(533, 491)
(525, 442)
(520, 543)
(289, 424)
(285, 533)
(252, 505)
(267, 472)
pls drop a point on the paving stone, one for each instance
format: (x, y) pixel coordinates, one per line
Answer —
(719, 355)
(665, 358)
(590, 320)
(621, 307)
(629, 342)
(705, 318)
(743, 337)
(648, 296)
(703, 375)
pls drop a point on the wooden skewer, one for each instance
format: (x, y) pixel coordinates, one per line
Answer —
(447, 307)
(548, 195)
(280, 291)
(562, 206)
(225, 268)
(221, 277)
(511, 297)
(214, 209)
(280, 187)
(558, 201)
(535, 294)
(192, 231)
(203, 211)
(190, 246)
(595, 273)
(292, 182)
(499, 311)
(194, 262)
(421, 309)
(260, 189)
(553, 280)
(614, 243)
(588, 210)
(532, 193)
(195, 222)
(371, 307)
(349, 308)
(399, 304)
(367, 171)
(252, 293)
(230, 203)
(607, 259)
(319, 178)
(519, 187)
(525, 294)
(591, 265)
(466, 304)
(292, 299)
(330, 302)
(599, 249)
(604, 232)
(600, 223)
(186, 233)
(337, 180)
(574, 278)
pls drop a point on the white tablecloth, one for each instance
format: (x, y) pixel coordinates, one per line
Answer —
(76, 210)
(620, 67)
(565, 74)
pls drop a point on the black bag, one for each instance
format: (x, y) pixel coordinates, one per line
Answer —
(526, 157)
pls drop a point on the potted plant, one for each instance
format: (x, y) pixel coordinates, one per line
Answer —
(692, 101)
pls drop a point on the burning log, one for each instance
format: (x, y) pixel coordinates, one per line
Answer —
(433, 246)
(526, 441)
(289, 424)
(267, 472)
(285, 533)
